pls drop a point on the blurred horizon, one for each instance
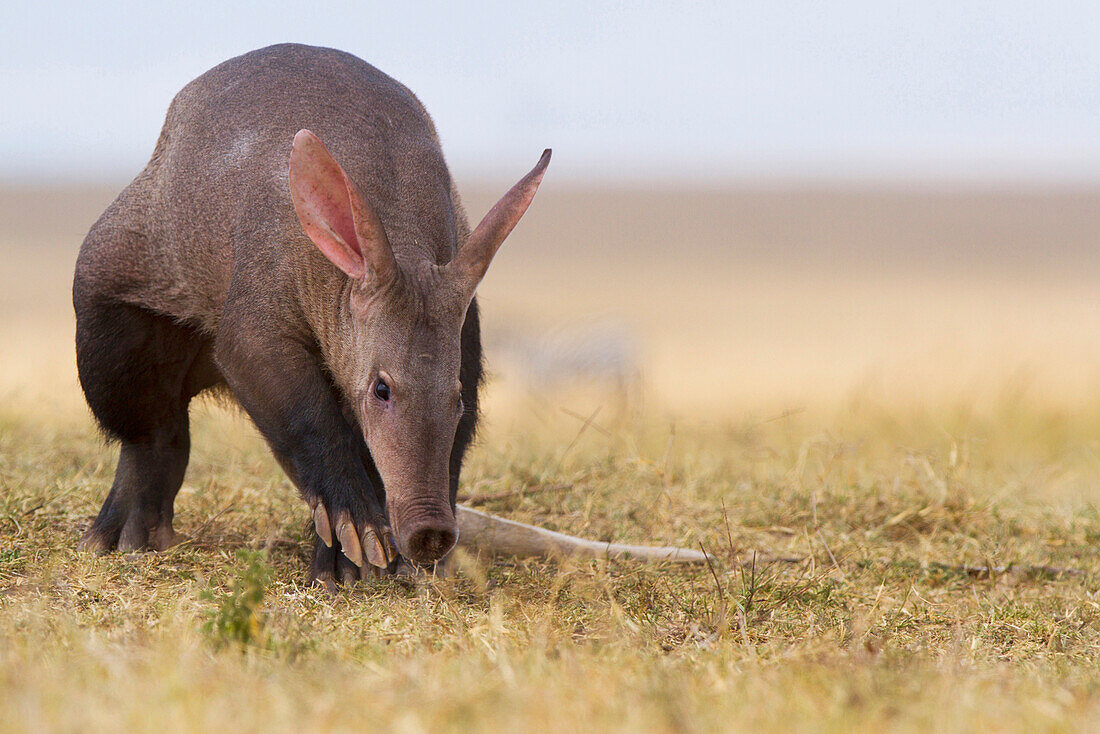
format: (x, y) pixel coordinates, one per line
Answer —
(748, 209)
(719, 93)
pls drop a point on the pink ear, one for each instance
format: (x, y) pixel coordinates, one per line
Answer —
(473, 259)
(332, 210)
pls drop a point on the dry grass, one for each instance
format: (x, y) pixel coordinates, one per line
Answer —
(883, 496)
(866, 633)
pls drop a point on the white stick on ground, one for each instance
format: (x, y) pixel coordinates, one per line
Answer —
(490, 534)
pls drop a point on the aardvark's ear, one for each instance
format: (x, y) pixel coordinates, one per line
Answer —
(334, 213)
(471, 262)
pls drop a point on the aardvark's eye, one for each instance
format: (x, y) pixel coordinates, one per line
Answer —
(381, 390)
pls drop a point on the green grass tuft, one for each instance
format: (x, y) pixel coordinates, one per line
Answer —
(237, 619)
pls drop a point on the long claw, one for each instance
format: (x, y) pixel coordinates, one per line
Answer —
(349, 542)
(327, 582)
(322, 524)
(389, 544)
(93, 542)
(376, 552)
(349, 575)
(407, 570)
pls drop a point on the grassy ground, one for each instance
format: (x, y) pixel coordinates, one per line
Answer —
(883, 389)
(867, 633)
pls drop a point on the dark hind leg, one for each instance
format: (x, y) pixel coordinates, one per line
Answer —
(139, 371)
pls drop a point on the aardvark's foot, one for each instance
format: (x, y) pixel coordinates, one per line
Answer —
(125, 527)
(331, 569)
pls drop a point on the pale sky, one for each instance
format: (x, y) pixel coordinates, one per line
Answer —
(727, 90)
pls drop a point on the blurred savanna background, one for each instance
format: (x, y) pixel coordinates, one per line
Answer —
(812, 287)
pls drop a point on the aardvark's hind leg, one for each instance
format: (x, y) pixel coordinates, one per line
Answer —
(139, 371)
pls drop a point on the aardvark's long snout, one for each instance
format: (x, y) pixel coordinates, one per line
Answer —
(424, 532)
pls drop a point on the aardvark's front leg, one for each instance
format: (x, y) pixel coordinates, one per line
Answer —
(283, 389)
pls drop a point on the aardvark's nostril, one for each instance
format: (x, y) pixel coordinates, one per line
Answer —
(430, 541)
